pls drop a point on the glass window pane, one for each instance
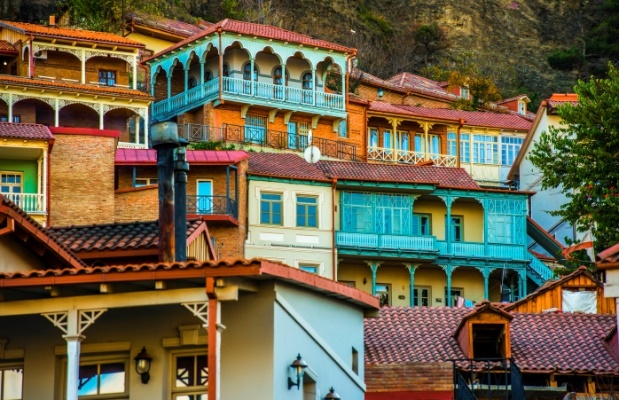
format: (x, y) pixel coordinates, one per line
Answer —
(12, 380)
(112, 378)
(203, 369)
(87, 384)
(185, 373)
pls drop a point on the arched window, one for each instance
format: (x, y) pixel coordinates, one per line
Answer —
(226, 71)
(246, 72)
(192, 82)
(208, 75)
(277, 76)
(307, 81)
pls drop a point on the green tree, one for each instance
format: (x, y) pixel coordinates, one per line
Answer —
(581, 157)
(566, 60)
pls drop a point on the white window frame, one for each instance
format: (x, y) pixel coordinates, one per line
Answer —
(485, 149)
(176, 391)
(101, 359)
(7, 367)
(311, 264)
(389, 292)
(20, 185)
(318, 202)
(419, 288)
(147, 182)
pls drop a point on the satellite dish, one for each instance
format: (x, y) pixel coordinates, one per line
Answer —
(312, 154)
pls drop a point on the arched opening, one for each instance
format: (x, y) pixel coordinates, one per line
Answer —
(178, 79)
(48, 60)
(160, 83)
(107, 71)
(127, 122)
(31, 111)
(79, 115)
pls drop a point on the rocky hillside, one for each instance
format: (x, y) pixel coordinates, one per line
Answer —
(508, 39)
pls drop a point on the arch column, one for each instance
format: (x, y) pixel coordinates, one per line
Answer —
(202, 72)
(449, 269)
(169, 85)
(484, 203)
(56, 112)
(284, 82)
(426, 138)
(522, 283)
(10, 106)
(374, 268)
(412, 268)
(83, 65)
(448, 226)
(134, 68)
(485, 271)
(251, 76)
(186, 78)
(314, 86)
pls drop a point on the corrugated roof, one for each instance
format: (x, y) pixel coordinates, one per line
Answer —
(68, 33)
(194, 157)
(553, 342)
(74, 87)
(25, 131)
(441, 176)
(259, 30)
(284, 165)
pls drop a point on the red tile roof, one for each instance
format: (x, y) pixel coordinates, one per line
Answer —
(194, 157)
(73, 87)
(420, 84)
(25, 131)
(7, 48)
(284, 165)
(473, 118)
(559, 99)
(252, 269)
(259, 30)
(432, 90)
(116, 236)
(441, 176)
(431, 113)
(173, 26)
(68, 33)
(553, 342)
(608, 258)
(509, 99)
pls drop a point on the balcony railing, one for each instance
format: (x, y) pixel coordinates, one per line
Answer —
(381, 241)
(468, 249)
(31, 203)
(409, 157)
(266, 138)
(212, 205)
(209, 90)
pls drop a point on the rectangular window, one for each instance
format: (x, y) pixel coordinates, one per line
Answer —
(255, 128)
(383, 291)
(313, 268)
(107, 78)
(102, 378)
(5, 118)
(304, 128)
(271, 208)
(373, 137)
(434, 144)
(464, 93)
(522, 109)
(357, 215)
(465, 146)
(11, 382)
(190, 381)
(485, 149)
(393, 214)
(342, 130)
(422, 224)
(510, 146)
(307, 211)
(455, 293)
(457, 228)
(139, 182)
(11, 182)
(423, 296)
(387, 139)
(403, 141)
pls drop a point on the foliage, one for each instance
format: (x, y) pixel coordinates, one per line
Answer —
(430, 39)
(210, 145)
(602, 40)
(582, 159)
(566, 59)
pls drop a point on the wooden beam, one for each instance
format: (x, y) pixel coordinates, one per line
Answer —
(9, 228)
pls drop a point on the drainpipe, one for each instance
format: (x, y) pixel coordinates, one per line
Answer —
(214, 328)
(221, 67)
(31, 59)
(180, 201)
(460, 124)
(334, 252)
(164, 137)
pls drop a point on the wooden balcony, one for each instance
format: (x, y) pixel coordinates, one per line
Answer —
(259, 93)
(409, 157)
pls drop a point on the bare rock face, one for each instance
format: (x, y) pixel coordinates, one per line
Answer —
(35, 11)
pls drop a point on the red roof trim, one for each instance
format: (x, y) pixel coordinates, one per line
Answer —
(84, 131)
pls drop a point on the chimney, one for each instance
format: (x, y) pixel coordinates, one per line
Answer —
(52, 20)
(180, 201)
(164, 137)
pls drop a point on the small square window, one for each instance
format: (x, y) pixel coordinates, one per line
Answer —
(102, 378)
(107, 78)
(383, 291)
(139, 182)
(190, 380)
(309, 268)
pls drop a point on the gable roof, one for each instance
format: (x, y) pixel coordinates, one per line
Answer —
(168, 25)
(53, 251)
(7, 48)
(194, 157)
(25, 131)
(57, 32)
(609, 258)
(259, 30)
(431, 90)
(284, 165)
(559, 99)
(523, 97)
(441, 176)
(484, 307)
(95, 239)
(553, 342)
(420, 84)
(549, 285)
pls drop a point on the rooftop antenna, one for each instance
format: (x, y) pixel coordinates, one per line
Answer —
(311, 153)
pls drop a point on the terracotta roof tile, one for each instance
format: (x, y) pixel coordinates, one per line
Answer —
(558, 99)
(421, 84)
(562, 342)
(264, 31)
(519, 97)
(7, 48)
(25, 131)
(173, 26)
(117, 236)
(442, 176)
(284, 165)
(194, 157)
(68, 33)
(74, 87)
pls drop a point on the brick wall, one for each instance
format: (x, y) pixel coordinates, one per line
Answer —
(64, 65)
(82, 180)
(357, 128)
(384, 380)
(138, 204)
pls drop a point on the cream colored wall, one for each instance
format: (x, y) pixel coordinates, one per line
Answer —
(151, 43)
(473, 215)
(16, 256)
(288, 243)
